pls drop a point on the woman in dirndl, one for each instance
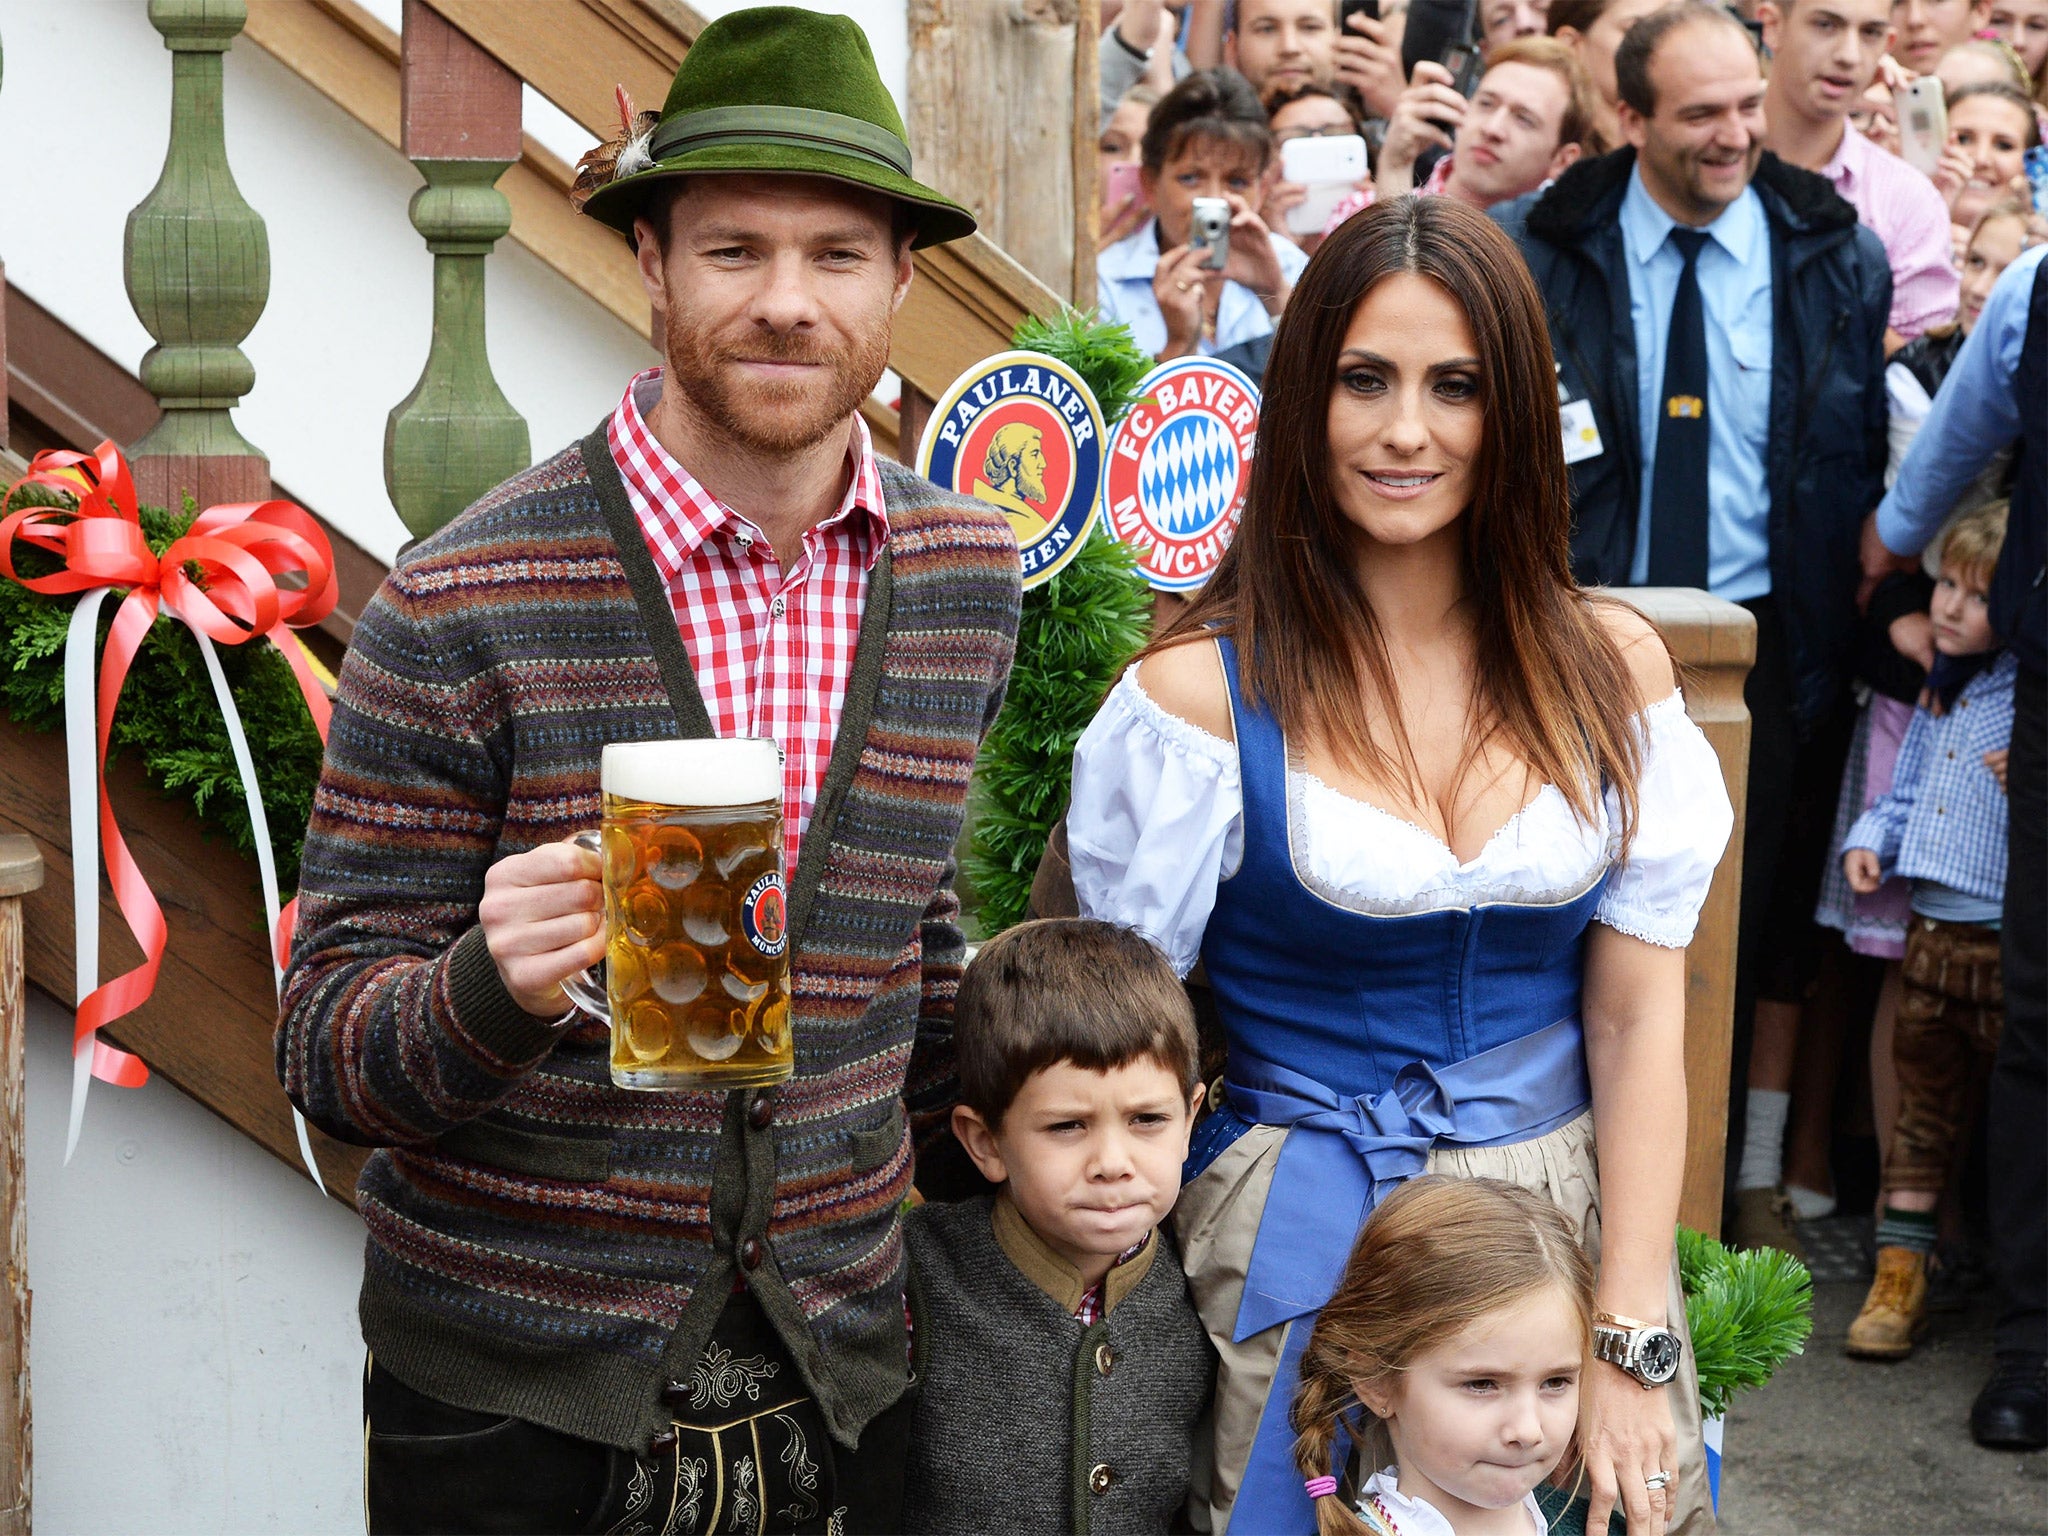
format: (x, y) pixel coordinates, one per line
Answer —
(1436, 825)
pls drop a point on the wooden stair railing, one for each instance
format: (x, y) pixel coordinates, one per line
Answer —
(968, 296)
(197, 261)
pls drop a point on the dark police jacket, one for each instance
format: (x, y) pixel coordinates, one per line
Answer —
(1824, 463)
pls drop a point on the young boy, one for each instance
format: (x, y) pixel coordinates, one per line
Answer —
(1942, 826)
(1060, 1364)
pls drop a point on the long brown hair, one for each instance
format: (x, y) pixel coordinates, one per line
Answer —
(1549, 674)
(1437, 1256)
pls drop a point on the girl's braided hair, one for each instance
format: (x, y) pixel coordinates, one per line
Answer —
(1437, 1256)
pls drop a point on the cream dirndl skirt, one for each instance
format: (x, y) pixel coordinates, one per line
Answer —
(1217, 1219)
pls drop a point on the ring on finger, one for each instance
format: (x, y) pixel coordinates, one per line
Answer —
(1657, 1480)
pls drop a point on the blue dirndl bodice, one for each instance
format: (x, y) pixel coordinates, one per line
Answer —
(1371, 1036)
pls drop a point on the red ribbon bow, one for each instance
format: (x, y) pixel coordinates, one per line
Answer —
(221, 578)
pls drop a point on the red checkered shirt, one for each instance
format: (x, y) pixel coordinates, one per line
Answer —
(772, 649)
(1089, 1313)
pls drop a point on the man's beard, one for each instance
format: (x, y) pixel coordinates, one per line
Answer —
(1031, 489)
(772, 418)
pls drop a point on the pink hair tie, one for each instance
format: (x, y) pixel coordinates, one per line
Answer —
(1321, 1487)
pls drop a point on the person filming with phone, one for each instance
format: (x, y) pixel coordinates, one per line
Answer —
(1531, 116)
(1204, 273)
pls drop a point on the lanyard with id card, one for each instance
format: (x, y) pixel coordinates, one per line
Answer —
(1581, 432)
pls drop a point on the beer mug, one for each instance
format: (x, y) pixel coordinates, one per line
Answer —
(695, 981)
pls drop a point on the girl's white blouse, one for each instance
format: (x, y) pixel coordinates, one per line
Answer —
(1157, 820)
(1419, 1517)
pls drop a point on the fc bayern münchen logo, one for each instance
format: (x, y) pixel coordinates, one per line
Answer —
(1179, 465)
(1023, 433)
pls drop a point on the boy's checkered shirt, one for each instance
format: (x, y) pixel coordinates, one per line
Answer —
(1945, 818)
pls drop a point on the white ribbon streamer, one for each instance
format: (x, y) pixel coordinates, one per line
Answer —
(266, 864)
(81, 760)
(82, 754)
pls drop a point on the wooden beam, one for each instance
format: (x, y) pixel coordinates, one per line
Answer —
(455, 102)
(1087, 134)
(208, 1027)
(352, 59)
(575, 51)
(969, 294)
(1714, 643)
(69, 394)
(21, 871)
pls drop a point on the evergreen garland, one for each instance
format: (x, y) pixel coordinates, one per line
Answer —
(168, 714)
(1075, 636)
(1749, 1312)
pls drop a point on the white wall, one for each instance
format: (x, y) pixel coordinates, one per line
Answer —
(345, 332)
(194, 1355)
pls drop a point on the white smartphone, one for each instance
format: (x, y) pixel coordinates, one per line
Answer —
(1329, 168)
(1923, 124)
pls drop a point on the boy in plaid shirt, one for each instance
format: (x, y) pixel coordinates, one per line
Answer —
(1943, 827)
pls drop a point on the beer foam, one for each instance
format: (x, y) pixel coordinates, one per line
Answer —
(705, 772)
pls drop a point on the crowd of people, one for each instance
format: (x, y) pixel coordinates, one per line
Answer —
(1802, 347)
(1615, 300)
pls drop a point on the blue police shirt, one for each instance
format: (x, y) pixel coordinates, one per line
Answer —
(1735, 291)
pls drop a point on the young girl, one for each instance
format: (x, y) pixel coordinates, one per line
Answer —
(1459, 1329)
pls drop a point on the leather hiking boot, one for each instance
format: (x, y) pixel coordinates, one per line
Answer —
(1763, 1219)
(2011, 1413)
(1895, 1312)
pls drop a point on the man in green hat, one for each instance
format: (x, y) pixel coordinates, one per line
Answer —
(588, 1308)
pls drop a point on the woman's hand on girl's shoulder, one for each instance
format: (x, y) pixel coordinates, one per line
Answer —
(1643, 651)
(1187, 681)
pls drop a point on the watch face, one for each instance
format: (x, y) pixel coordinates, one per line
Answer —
(1658, 1355)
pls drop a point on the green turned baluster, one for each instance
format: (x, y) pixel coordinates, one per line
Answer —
(197, 262)
(456, 435)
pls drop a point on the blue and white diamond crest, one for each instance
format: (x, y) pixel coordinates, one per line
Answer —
(1188, 475)
(1179, 464)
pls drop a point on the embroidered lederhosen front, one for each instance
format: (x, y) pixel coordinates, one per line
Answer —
(751, 1452)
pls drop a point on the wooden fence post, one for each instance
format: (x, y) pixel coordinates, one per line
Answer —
(1714, 643)
(21, 871)
(456, 435)
(197, 261)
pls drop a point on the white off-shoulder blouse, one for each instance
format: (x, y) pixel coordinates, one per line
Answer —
(1157, 820)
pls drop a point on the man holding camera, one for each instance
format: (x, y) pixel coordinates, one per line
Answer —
(590, 1308)
(1530, 117)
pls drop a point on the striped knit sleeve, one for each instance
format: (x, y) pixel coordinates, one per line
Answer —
(395, 1025)
(931, 1085)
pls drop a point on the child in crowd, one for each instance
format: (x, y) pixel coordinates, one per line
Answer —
(1460, 1327)
(1061, 1365)
(1895, 649)
(1942, 827)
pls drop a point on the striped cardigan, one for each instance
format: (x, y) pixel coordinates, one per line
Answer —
(543, 1244)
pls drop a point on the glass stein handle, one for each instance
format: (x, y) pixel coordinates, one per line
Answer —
(586, 989)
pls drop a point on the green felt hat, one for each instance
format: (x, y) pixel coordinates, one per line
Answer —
(784, 90)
